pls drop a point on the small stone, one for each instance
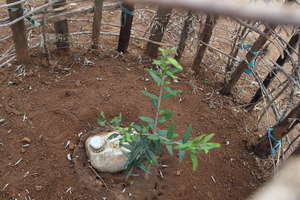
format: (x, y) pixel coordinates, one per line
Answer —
(38, 188)
(25, 140)
(78, 83)
(30, 73)
(23, 150)
(71, 146)
(2, 121)
(178, 172)
(69, 157)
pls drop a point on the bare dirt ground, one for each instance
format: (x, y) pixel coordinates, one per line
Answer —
(52, 105)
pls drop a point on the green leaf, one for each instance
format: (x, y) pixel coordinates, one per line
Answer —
(170, 74)
(101, 120)
(208, 146)
(155, 76)
(175, 63)
(153, 98)
(151, 157)
(143, 168)
(162, 133)
(157, 62)
(116, 121)
(181, 155)
(150, 95)
(169, 92)
(174, 70)
(184, 146)
(137, 127)
(170, 149)
(112, 136)
(208, 137)
(194, 160)
(148, 120)
(170, 133)
(187, 134)
(153, 137)
(165, 115)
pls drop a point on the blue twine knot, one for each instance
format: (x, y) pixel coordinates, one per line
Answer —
(251, 65)
(277, 142)
(29, 19)
(125, 12)
(244, 46)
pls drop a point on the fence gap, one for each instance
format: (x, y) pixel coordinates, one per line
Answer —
(205, 35)
(162, 18)
(126, 24)
(97, 23)
(19, 34)
(61, 30)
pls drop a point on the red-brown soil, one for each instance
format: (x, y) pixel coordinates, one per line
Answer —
(52, 105)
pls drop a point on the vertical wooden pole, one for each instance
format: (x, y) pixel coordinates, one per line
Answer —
(184, 34)
(61, 30)
(205, 36)
(126, 24)
(281, 129)
(19, 34)
(163, 15)
(97, 23)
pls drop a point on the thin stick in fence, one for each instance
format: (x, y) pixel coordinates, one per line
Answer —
(97, 22)
(19, 35)
(126, 22)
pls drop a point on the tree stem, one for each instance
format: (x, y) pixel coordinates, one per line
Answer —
(158, 104)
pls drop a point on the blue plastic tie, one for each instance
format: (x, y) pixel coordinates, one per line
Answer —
(251, 65)
(277, 142)
(244, 46)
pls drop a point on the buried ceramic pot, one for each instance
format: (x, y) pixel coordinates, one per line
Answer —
(106, 155)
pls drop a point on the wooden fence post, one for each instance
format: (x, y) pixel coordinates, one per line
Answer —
(19, 34)
(258, 45)
(97, 23)
(272, 74)
(163, 15)
(281, 129)
(204, 35)
(126, 24)
(61, 30)
(184, 35)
